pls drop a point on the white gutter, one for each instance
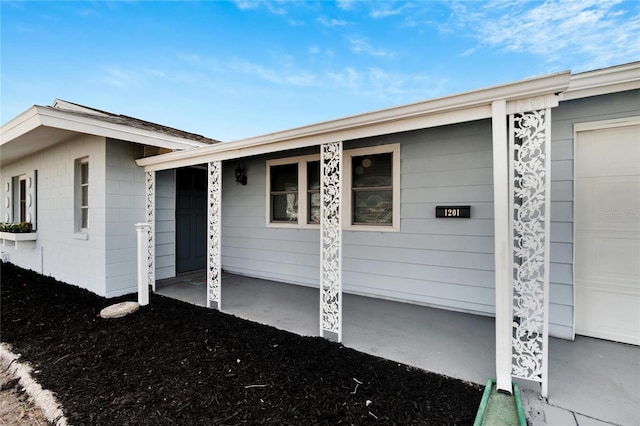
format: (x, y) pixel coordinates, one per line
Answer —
(458, 108)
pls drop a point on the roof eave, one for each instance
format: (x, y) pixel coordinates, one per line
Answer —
(452, 109)
(49, 117)
(604, 81)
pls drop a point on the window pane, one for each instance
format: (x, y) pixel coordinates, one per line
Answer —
(284, 177)
(372, 170)
(314, 207)
(313, 175)
(85, 218)
(84, 172)
(23, 200)
(84, 201)
(284, 208)
(373, 207)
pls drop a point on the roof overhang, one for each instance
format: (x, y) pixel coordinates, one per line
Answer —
(603, 81)
(40, 127)
(468, 106)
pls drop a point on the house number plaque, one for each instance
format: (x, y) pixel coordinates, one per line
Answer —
(453, 212)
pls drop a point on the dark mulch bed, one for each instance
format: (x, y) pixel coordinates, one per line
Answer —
(175, 363)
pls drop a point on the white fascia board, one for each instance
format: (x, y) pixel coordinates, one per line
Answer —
(62, 104)
(604, 81)
(45, 116)
(23, 123)
(453, 109)
(61, 120)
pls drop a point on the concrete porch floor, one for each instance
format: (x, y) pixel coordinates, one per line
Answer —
(591, 381)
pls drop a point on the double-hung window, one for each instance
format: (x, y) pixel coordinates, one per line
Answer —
(293, 185)
(82, 194)
(371, 190)
(22, 199)
(284, 193)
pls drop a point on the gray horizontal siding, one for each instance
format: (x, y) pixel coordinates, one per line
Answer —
(165, 234)
(446, 263)
(438, 262)
(249, 247)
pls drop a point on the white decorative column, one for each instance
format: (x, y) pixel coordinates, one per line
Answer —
(530, 205)
(150, 207)
(142, 230)
(214, 261)
(331, 239)
(502, 257)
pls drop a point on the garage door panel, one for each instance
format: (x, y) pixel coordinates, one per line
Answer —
(608, 258)
(607, 234)
(608, 203)
(603, 322)
(596, 158)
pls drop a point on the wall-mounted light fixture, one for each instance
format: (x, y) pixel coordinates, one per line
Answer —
(241, 177)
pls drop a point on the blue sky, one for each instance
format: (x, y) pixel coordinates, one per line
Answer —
(230, 70)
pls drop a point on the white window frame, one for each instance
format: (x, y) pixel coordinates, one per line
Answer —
(347, 176)
(303, 201)
(21, 198)
(79, 207)
(347, 208)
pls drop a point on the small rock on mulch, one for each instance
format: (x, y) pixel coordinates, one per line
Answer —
(119, 310)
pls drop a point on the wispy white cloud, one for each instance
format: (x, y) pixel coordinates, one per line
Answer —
(276, 8)
(247, 5)
(282, 76)
(383, 9)
(387, 86)
(332, 22)
(361, 45)
(604, 31)
(345, 4)
(469, 51)
(119, 77)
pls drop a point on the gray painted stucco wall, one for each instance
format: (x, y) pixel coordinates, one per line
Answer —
(125, 206)
(70, 256)
(102, 258)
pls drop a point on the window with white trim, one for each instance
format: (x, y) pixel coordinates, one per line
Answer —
(82, 194)
(371, 190)
(22, 199)
(293, 185)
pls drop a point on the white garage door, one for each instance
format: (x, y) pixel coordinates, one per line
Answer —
(607, 233)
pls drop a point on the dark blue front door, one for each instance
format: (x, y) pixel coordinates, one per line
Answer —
(191, 219)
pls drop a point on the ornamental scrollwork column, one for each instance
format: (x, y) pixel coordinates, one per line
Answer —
(331, 239)
(214, 261)
(529, 148)
(150, 209)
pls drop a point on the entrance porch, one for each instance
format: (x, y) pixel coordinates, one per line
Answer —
(590, 380)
